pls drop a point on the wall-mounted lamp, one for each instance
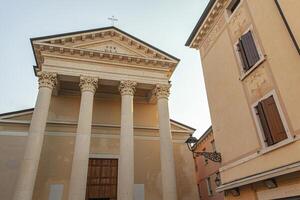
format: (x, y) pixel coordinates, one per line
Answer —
(213, 156)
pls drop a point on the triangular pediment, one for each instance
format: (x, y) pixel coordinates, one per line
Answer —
(105, 40)
(111, 46)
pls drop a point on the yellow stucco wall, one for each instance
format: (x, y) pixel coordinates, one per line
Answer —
(231, 95)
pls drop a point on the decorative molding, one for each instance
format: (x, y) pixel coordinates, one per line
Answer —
(41, 49)
(239, 22)
(88, 83)
(47, 79)
(94, 125)
(256, 80)
(76, 45)
(292, 167)
(93, 135)
(212, 36)
(127, 87)
(209, 23)
(162, 91)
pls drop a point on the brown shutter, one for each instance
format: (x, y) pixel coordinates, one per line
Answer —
(274, 121)
(264, 124)
(250, 49)
(243, 56)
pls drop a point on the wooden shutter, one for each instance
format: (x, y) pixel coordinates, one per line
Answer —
(274, 121)
(250, 49)
(243, 56)
(264, 124)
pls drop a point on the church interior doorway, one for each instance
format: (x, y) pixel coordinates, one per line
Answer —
(102, 179)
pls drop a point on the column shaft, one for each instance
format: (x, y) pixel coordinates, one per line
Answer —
(29, 166)
(126, 165)
(166, 145)
(77, 188)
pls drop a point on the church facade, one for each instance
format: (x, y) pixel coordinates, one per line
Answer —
(100, 129)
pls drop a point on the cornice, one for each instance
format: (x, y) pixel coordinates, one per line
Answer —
(93, 34)
(208, 23)
(42, 48)
(94, 125)
(70, 44)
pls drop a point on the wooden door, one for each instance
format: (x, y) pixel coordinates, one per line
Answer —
(102, 179)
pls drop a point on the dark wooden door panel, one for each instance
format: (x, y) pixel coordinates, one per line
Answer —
(102, 179)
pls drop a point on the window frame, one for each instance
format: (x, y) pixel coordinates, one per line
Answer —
(259, 128)
(209, 187)
(243, 73)
(229, 6)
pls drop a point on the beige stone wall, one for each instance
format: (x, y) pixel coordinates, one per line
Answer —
(11, 154)
(105, 111)
(57, 152)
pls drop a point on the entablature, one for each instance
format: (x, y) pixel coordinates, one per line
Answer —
(102, 46)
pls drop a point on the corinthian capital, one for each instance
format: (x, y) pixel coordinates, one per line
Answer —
(47, 79)
(162, 91)
(88, 83)
(127, 87)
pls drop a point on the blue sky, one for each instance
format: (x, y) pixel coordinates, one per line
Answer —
(165, 24)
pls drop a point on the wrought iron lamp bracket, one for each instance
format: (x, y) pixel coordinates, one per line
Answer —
(213, 156)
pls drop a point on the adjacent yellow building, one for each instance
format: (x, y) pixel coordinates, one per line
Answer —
(251, 64)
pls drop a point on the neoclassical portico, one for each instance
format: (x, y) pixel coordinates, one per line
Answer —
(100, 64)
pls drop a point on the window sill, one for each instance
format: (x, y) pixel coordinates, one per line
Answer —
(278, 145)
(247, 73)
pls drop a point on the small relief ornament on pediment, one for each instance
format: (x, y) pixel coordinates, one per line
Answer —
(111, 49)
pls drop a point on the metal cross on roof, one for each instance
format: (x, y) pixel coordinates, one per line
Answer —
(113, 20)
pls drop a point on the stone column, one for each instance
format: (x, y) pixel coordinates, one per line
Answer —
(77, 188)
(27, 174)
(126, 165)
(166, 145)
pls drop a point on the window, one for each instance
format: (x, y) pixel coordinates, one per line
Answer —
(56, 191)
(270, 120)
(232, 6)
(199, 190)
(209, 188)
(247, 50)
(139, 191)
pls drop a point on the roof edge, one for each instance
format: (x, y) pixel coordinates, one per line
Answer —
(16, 112)
(186, 126)
(101, 29)
(200, 21)
(206, 133)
